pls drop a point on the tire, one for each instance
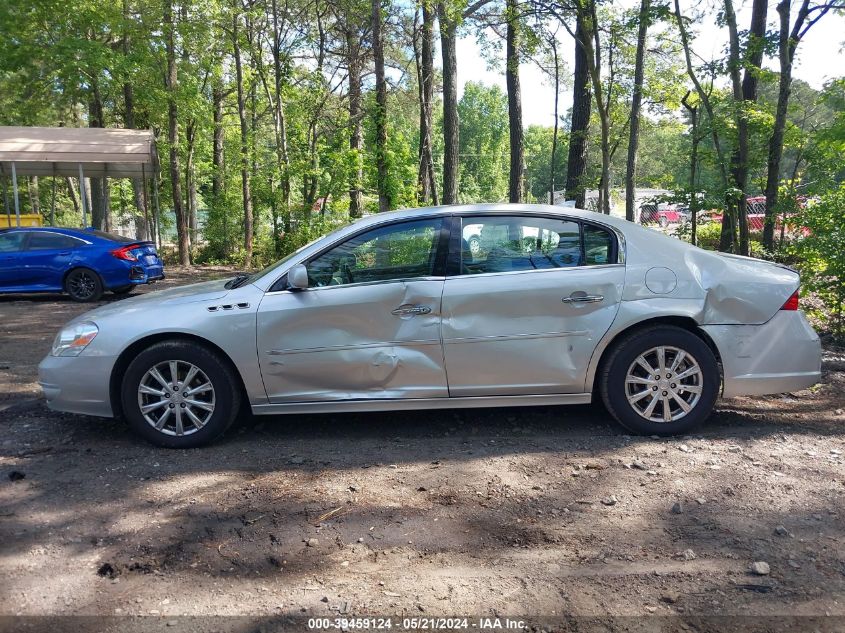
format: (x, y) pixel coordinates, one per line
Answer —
(83, 285)
(123, 290)
(680, 346)
(663, 221)
(474, 245)
(217, 408)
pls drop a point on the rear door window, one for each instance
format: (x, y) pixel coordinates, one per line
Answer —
(498, 243)
(50, 241)
(11, 242)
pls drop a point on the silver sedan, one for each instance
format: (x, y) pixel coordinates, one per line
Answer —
(548, 306)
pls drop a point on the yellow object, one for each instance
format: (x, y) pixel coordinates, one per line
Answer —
(27, 219)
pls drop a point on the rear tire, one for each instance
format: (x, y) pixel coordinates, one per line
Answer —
(123, 290)
(204, 403)
(687, 383)
(83, 285)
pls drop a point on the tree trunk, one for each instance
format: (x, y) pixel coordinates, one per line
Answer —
(95, 119)
(190, 180)
(384, 199)
(744, 93)
(356, 138)
(280, 120)
(517, 144)
(173, 138)
(245, 175)
(636, 102)
(141, 213)
(693, 204)
(425, 178)
(217, 166)
(451, 121)
(71, 192)
(34, 195)
(592, 46)
(787, 44)
(552, 166)
(576, 165)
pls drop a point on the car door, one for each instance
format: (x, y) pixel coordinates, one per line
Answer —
(11, 245)
(524, 313)
(47, 257)
(368, 325)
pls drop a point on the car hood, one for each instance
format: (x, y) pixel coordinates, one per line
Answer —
(192, 293)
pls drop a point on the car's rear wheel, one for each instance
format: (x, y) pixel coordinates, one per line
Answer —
(83, 284)
(178, 394)
(123, 290)
(662, 380)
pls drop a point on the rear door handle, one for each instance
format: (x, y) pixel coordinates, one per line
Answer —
(582, 297)
(409, 309)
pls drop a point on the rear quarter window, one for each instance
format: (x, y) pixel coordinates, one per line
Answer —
(598, 246)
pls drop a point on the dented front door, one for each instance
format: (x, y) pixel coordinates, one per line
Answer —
(362, 341)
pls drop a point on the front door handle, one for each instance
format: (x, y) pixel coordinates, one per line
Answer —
(582, 297)
(410, 309)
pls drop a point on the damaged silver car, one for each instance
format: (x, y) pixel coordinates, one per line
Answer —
(547, 306)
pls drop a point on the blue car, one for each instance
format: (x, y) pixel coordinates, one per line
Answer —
(82, 263)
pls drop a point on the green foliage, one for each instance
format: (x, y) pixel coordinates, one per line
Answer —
(821, 256)
(483, 112)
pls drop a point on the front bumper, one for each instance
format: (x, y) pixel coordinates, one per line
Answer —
(77, 384)
(782, 355)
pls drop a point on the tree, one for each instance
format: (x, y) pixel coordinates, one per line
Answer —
(517, 149)
(744, 95)
(171, 83)
(788, 41)
(576, 165)
(636, 103)
(384, 199)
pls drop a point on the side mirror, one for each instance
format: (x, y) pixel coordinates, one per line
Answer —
(298, 277)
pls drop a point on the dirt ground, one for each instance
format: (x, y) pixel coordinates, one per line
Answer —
(532, 512)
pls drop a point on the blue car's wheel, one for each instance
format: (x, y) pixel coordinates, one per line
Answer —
(83, 284)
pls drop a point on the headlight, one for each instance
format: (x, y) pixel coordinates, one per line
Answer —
(74, 338)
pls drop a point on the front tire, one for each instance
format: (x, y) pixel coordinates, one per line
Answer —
(662, 380)
(83, 285)
(178, 394)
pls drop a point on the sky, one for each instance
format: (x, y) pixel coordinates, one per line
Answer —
(820, 57)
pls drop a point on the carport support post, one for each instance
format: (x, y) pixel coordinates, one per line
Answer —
(82, 196)
(15, 193)
(53, 200)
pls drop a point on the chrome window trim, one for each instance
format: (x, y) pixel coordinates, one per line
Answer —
(620, 238)
(340, 240)
(535, 271)
(28, 235)
(355, 285)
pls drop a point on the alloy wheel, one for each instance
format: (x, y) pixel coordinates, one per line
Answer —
(664, 384)
(176, 397)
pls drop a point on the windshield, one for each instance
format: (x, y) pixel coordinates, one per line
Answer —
(256, 276)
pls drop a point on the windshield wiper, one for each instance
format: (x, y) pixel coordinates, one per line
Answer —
(236, 281)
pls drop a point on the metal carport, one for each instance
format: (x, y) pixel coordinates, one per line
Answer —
(77, 152)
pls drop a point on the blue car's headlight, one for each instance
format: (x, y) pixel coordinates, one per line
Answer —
(74, 338)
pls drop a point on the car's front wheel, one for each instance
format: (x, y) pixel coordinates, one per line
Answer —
(83, 284)
(178, 394)
(662, 380)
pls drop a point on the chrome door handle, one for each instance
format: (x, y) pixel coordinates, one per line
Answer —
(582, 298)
(410, 310)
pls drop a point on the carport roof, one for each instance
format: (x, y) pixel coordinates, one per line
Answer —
(48, 151)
